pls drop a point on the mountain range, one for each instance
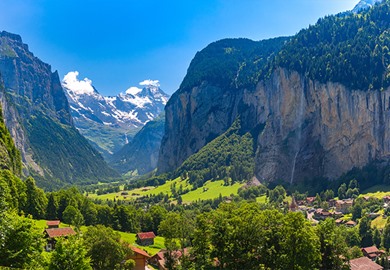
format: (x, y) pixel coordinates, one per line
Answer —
(111, 122)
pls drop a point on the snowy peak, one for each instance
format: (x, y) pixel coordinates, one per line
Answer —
(133, 108)
(365, 4)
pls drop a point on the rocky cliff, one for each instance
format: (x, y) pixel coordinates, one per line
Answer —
(36, 112)
(316, 115)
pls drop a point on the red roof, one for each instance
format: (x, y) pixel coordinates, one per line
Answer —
(372, 249)
(57, 232)
(364, 263)
(52, 222)
(146, 235)
(140, 251)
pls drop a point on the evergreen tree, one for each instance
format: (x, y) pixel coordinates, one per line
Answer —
(52, 207)
(36, 200)
(365, 232)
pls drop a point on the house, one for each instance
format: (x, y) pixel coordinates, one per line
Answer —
(159, 259)
(52, 233)
(145, 238)
(372, 252)
(386, 199)
(343, 206)
(332, 203)
(53, 224)
(140, 257)
(373, 215)
(339, 221)
(350, 223)
(364, 263)
(321, 214)
(310, 200)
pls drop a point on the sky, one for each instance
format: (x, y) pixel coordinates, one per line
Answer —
(118, 43)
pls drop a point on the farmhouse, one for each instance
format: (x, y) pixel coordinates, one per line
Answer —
(140, 257)
(145, 238)
(52, 233)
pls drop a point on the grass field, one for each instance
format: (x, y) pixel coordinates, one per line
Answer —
(378, 191)
(211, 190)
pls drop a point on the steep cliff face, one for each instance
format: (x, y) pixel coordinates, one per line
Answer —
(36, 112)
(211, 96)
(317, 130)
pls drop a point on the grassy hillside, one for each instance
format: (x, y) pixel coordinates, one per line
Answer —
(210, 190)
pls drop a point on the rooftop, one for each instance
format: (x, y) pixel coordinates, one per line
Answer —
(53, 222)
(146, 235)
(57, 232)
(140, 251)
(364, 263)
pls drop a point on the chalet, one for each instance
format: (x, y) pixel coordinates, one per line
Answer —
(53, 224)
(372, 252)
(343, 206)
(52, 233)
(350, 223)
(145, 238)
(140, 258)
(321, 214)
(364, 263)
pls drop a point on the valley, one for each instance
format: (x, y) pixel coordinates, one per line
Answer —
(272, 154)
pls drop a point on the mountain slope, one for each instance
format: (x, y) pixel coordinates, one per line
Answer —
(322, 99)
(9, 154)
(36, 112)
(211, 96)
(110, 122)
(141, 154)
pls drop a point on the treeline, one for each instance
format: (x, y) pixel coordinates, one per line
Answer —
(352, 49)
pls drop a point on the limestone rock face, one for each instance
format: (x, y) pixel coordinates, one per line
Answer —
(310, 129)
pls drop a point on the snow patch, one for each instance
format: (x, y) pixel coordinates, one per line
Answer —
(133, 90)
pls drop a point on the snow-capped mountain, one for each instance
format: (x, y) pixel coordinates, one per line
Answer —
(110, 122)
(365, 4)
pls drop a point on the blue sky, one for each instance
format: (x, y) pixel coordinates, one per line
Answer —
(119, 43)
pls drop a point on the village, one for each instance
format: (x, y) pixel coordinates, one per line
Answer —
(341, 212)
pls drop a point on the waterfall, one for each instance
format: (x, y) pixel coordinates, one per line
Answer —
(298, 124)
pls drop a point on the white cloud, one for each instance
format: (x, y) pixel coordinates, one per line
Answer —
(71, 82)
(133, 90)
(155, 83)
